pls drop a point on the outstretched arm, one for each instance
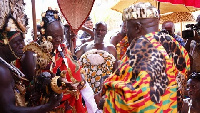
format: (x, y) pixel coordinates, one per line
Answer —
(113, 51)
(89, 31)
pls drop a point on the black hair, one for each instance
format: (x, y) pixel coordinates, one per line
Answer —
(88, 18)
(101, 22)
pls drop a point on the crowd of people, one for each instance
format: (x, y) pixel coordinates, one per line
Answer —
(142, 69)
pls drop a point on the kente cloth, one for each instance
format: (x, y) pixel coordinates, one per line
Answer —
(96, 63)
(122, 47)
(72, 103)
(145, 82)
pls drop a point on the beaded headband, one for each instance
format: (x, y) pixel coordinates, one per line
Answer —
(139, 11)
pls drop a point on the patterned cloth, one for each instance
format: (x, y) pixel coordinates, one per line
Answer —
(145, 80)
(96, 63)
(140, 10)
(122, 47)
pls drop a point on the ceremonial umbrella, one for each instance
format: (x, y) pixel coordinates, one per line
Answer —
(177, 17)
(75, 12)
(164, 7)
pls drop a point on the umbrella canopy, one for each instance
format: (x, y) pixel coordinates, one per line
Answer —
(75, 12)
(177, 17)
(195, 3)
(164, 7)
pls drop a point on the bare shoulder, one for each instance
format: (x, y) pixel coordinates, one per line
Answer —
(111, 49)
(109, 45)
(114, 40)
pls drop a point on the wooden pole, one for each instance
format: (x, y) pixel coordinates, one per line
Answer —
(34, 20)
(158, 7)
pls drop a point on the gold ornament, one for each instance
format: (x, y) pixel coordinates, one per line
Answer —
(54, 85)
(42, 23)
(56, 16)
(8, 28)
(42, 31)
(5, 41)
(63, 73)
(43, 39)
(49, 38)
(46, 46)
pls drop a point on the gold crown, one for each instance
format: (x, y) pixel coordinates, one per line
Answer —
(140, 10)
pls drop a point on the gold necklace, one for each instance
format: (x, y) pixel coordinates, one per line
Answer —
(13, 52)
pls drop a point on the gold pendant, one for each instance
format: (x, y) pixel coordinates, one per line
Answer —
(5, 41)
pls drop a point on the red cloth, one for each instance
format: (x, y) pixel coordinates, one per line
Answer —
(195, 3)
(60, 64)
(69, 99)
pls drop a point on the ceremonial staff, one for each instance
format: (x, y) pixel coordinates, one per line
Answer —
(34, 20)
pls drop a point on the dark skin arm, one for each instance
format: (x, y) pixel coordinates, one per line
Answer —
(185, 108)
(83, 41)
(7, 96)
(89, 31)
(112, 50)
(28, 65)
(116, 39)
(80, 51)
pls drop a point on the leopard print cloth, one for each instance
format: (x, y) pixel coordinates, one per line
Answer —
(143, 56)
